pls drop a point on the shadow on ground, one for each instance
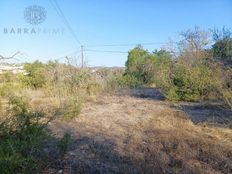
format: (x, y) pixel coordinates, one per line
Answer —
(211, 113)
(89, 154)
(146, 93)
(121, 134)
(156, 151)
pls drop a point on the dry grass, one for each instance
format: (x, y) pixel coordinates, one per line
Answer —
(122, 134)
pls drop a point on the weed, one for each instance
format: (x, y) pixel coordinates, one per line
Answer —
(64, 144)
(72, 108)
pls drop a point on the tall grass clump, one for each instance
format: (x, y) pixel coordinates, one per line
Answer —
(72, 108)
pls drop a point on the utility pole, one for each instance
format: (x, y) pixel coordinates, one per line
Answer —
(82, 57)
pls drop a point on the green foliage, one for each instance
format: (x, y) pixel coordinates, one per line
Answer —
(222, 48)
(8, 77)
(34, 75)
(135, 63)
(135, 60)
(173, 94)
(5, 89)
(147, 67)
(21, 134)
(128, 81)
(8, 83)
(191, 83)
(64, 144)
(162, 70)
(72, 108)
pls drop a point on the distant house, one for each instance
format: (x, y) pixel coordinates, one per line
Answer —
(14, 68)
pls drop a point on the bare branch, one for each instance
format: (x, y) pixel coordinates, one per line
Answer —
(11, 57)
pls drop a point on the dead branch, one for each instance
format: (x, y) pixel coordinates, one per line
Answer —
(10, 57)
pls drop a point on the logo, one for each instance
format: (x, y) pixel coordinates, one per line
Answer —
(35, 15)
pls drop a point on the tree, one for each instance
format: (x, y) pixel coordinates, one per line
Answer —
(194, 40)
(193, 77)
(162, 69)
(136, 58)
(148, 67)
(135, 63)
(222, 48)
(34, 74)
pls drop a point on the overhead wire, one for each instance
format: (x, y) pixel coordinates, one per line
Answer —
(67, 55)
(130, 44)
(106, 51)
(59, 11)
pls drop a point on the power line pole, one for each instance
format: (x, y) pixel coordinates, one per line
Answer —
(82, 56)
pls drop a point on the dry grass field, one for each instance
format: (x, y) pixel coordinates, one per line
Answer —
(141, 134)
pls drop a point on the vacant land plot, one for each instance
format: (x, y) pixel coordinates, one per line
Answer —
(129, 134)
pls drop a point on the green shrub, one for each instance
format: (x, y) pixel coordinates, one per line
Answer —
(8, 77)
(172, 94)
(192, 82)
(5, 90)
(127, 80)
(21, 134)
(35, 75)
(222, 48)
(149, 68)
(162, 70)
(227, 97)
(72, 108)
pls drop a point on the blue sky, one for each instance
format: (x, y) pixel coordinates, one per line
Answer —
(106, 22)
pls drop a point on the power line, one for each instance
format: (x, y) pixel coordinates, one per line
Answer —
(130, 44)
(106, 51)
(61, 14)
(111, 51)
(70, 54)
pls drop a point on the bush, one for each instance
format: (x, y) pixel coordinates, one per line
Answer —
(128, 81)
(192, 82)
(72, 108)
(64, 80)
(5, 89)
(35, 75)
(162, 70)
(21, 133)
(222, 48)
(8, 83)
(149, 68)
(172, 94)
(8, 77)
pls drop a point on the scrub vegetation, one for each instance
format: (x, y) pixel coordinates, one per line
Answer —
(167, 111)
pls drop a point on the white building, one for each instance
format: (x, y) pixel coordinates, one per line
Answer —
(14, 68)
